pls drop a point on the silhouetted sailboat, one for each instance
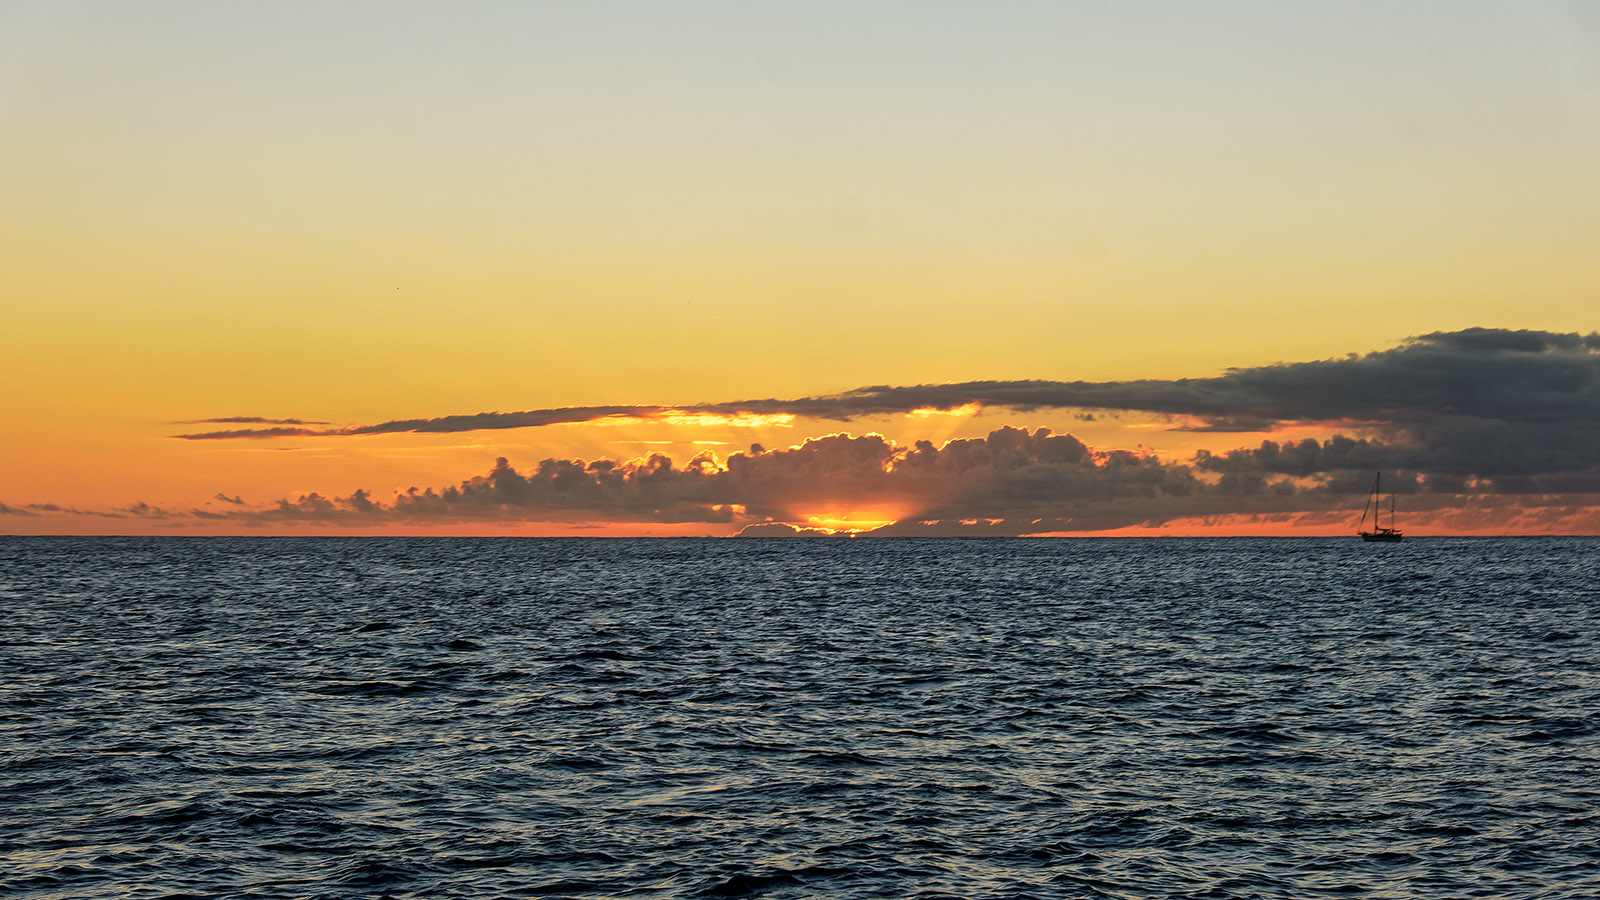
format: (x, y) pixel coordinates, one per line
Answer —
(1375, 506)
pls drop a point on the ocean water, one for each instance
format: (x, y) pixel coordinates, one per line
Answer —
(488, 718)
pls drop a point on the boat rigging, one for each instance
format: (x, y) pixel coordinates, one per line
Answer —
(1375, 507)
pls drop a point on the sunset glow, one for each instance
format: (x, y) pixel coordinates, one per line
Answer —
(692, 271)
(852, 521)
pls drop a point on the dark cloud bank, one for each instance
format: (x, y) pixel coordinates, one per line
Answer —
(1493, 375)
(1477, 412)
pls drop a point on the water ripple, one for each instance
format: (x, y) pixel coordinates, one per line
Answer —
(409, 718)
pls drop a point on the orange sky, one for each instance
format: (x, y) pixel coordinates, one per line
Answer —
(213, 212)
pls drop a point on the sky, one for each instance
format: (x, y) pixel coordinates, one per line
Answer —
(720, 268)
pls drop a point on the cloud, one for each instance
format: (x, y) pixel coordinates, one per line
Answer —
(276, 432)
(1442, 385)
(1012, 473)
(1013, 481)
(451, 424)
(246, 420)
(145, 511)
(780, 530)
(56, 509)
(1507, 376)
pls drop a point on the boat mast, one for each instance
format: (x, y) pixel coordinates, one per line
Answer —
(1379, 532)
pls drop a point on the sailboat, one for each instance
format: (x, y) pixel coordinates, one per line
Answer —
(1375, 506)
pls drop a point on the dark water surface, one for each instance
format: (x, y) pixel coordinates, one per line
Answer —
(874, 718)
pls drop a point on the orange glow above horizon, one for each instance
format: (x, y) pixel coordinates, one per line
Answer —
(846, 519)
(1473, 517)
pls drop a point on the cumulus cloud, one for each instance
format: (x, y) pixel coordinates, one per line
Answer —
(1033, 480)
(1013, 481)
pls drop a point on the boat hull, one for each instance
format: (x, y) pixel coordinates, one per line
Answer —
(1389, 537)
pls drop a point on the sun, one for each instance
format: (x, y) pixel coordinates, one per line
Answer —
(850, 519)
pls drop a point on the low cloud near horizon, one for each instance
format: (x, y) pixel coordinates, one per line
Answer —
(1012, 482)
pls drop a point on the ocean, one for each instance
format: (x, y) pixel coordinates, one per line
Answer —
(870, 718)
